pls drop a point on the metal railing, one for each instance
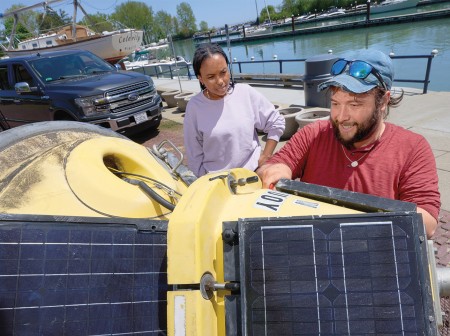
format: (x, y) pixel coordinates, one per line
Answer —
(425, 81)
(173, 71)
(280, 62)
(165, 70)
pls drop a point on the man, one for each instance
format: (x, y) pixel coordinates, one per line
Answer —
(356, 149)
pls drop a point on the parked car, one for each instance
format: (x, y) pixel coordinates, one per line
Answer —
(75, 85)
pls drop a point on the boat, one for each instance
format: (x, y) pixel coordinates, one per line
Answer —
(261, 29)
(310, 17)
(109, 45)
(336, 12)
(392, 5)
(156, 60)
(255, 30)
(101, 235)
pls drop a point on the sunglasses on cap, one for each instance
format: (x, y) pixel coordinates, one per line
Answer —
(356, 69)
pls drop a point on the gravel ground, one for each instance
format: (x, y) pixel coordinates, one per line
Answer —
(168, 130)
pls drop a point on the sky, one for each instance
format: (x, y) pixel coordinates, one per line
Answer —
(216, 13)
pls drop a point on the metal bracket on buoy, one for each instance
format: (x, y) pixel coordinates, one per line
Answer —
(208, 285)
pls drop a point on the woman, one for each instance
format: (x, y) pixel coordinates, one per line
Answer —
(221, 122)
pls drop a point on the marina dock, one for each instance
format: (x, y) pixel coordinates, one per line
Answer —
(430, 15)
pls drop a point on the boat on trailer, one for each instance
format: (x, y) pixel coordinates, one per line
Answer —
(109, 45)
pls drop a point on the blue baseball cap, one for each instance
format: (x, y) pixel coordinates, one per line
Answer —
(380, 62)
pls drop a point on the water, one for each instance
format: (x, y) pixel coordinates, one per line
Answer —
(418, 38)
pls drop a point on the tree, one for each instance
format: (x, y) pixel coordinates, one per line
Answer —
(299, 7)
(264, 16)
(21, 32)
(164, 23)
(98, 22)
(288, 7)
(204, 26)
(51, 20)
(134, 14)
(186, 20)
(176, 25)
(27, 23)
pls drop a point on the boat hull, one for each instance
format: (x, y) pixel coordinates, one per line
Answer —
(111, 48)
(393, 6)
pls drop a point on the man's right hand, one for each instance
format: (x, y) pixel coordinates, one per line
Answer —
(270, 174)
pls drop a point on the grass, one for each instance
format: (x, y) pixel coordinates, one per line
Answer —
(170, 125)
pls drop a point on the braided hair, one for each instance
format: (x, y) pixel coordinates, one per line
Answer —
(205, 51)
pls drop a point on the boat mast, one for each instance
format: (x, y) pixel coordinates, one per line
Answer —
(74, 20)
(76, 5)
(86, 15)
(267, 11)
(257, 13)
(13, 32)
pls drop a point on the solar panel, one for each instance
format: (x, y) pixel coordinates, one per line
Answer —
(354, 275)
(61, 276)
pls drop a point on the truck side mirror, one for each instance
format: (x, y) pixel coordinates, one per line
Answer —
(24, 87)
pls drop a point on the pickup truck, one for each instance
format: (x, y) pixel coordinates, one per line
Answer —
(76, 85)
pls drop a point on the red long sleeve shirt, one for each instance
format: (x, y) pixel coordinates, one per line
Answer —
(400, 165)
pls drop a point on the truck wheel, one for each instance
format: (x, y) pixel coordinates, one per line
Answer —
(63, 116)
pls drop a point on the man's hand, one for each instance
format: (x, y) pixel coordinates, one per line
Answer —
(270, 174)
(429, 221)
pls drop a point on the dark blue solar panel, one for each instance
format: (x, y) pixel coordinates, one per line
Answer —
(332, 277)
(78, 279)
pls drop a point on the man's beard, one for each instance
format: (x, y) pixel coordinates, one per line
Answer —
(363, 130)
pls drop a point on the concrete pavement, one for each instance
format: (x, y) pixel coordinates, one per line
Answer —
(426, 114)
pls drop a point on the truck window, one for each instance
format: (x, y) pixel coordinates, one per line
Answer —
(22, 75)
(45, 70)
(4, 84)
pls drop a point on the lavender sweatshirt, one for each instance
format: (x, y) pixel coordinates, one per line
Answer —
(222, 134)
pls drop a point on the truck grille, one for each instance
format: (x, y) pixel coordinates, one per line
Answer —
(128, 89)
(125, 107)
(119, 101)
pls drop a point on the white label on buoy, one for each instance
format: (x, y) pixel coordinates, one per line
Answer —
(271, 200)
(180, 315)
(306, 203)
